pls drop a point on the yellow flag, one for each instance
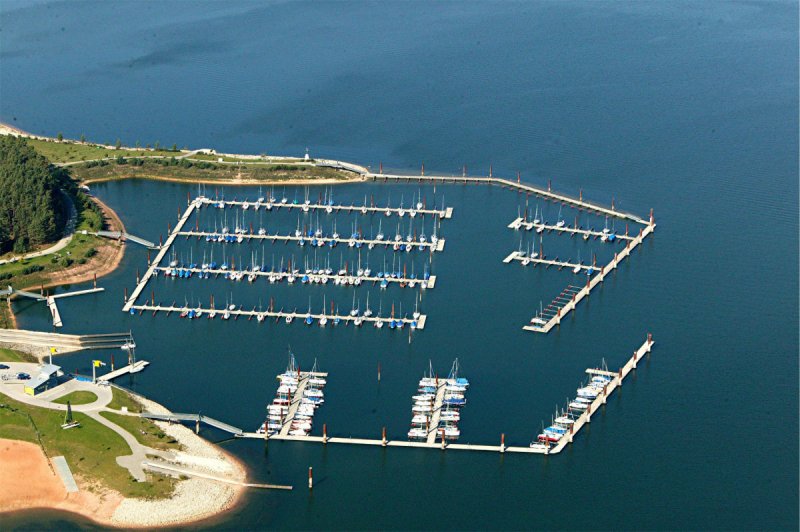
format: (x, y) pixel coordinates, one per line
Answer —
(53, 350)
(96, 363)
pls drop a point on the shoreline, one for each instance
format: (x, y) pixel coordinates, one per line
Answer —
(36, 486)
(233, 182)
(85, 272)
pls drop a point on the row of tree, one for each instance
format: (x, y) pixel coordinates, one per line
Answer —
(32, 210)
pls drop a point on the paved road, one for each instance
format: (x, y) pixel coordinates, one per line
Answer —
(15, 389)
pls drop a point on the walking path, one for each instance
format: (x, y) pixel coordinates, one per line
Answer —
(69, 232)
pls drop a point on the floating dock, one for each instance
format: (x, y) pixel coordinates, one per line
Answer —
(280, 276)
(294, 315)
(617, 379)
(521, 223)
(547, 193)
(444, 214)
(161, 253)
(297, 397)
(525, 260)
(542, 326)
(323, 241)
(136, 367)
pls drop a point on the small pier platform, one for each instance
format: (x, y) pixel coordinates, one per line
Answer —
(444, 214)
(520, 223)
(294, 315)
(421, 246)
(515, 255)
(345, 280)
(136, 367)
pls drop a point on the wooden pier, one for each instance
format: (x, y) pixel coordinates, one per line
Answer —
(536, 325)
(430, 246)
(520, 223)
(617, 379)
(444, 214)
(278, 315)
(346, 280)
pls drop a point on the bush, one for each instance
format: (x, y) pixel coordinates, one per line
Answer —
(81, 261)
(66, 262)
(4, 276)
(32, 269)
(91, 252)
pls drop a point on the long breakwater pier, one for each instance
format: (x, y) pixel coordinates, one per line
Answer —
(579, 203)
(445, 213)
(615, 381)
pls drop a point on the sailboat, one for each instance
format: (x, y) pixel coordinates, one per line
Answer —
(69, 422)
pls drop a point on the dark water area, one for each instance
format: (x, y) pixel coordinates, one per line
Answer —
(687, 108)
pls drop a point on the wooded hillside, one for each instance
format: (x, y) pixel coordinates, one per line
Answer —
(31, 207)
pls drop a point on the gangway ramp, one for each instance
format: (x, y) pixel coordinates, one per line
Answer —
(197, 418)
(117, 235)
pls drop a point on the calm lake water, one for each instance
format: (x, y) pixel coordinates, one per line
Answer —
(688, 108)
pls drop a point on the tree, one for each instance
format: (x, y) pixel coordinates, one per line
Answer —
(156, 145)
(118, 144)
(83, 138)
(174, 147)
(60, 136)
(31, 209)
(138, 145)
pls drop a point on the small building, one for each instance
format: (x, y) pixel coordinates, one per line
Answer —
(46, 379)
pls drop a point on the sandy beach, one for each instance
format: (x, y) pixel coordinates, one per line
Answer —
(29, 482)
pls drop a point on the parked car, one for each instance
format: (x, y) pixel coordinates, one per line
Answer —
(23, 376)
(3, 366)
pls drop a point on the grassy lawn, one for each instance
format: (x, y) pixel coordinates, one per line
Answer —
(215, 158)
(80, 397)
(65, 152)
(37, 270)
(145, 431)
(155, 170)
(90, 450)
(9, 355)
(119, 399)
